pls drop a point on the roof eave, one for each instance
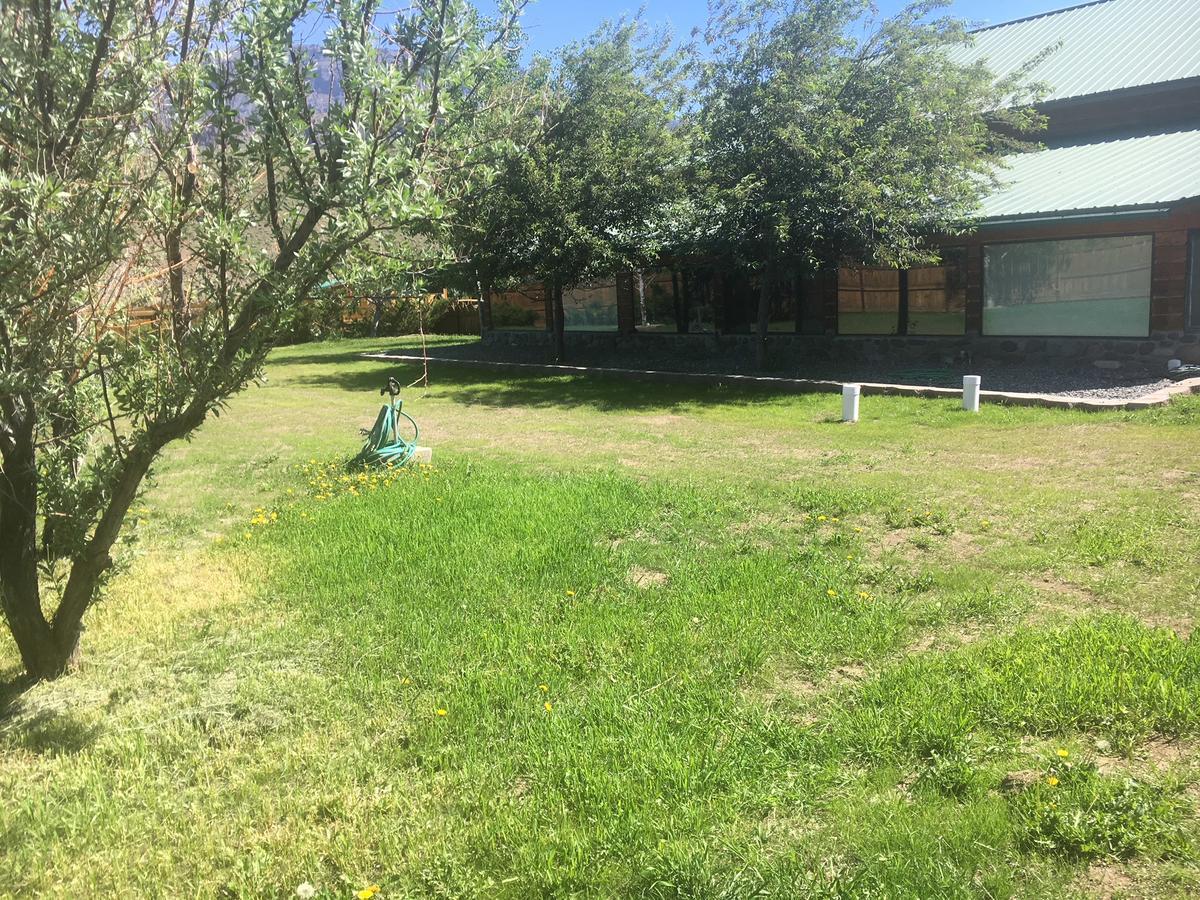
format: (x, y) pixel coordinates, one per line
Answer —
(1080, 216)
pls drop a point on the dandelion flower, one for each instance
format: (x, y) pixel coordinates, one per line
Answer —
(549, 706)
(442, 712)
(1052, 781)
(1063, 753)
(406, 680)
(368, 892)
(544, 688)
(820, 518)
(305, 891)
(831, 592)
(864, 595)
(570, 593)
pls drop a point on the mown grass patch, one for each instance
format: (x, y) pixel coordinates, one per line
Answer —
(563, 674)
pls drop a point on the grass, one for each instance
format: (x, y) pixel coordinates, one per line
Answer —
(688, 643)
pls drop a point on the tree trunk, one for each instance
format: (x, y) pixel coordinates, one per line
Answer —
(800, 293)
(20, 592)
(377, 316)
(683, 309)
(764, 320)
(485, 308)
(560, 326)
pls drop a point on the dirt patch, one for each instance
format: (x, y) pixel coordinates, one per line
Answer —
(647, 578)
(1059, 597)
(521, 786)
(638, 538)
(810, 690)
(1156, 754)
(945, 639)
(1015, 782)
(804, 686)
(1106, 881)
(914, 543)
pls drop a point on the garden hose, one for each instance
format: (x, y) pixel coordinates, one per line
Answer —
(384, 445)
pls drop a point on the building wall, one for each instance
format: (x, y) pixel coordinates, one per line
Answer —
(1169, 265)
(1167, 336)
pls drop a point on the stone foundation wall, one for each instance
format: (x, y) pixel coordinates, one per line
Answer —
(1152, 352)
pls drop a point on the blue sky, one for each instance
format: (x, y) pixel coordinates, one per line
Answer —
(552, 23)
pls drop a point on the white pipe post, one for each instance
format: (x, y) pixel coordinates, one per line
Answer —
(850, 393)
(971, 393)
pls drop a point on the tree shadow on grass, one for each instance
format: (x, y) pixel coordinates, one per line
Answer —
(46, 731)
(471, 386)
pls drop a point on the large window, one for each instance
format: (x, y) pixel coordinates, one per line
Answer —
(522, 308)
(921, 300)
(591, 306)
(1193, 296)
(868, 301)
(937, 295)
(1087, 286)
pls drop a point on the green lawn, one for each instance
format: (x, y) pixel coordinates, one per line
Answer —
(688, 642)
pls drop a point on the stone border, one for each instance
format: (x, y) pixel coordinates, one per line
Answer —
(1160, 397)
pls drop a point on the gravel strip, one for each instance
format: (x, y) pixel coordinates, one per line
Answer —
(1061, 379)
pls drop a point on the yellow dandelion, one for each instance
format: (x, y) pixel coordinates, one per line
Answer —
(831, 592)
(1063, 752)
(864, 595)
(570, 593)
(1052, 781)
(820, 518)
(368, 892)
(443, 713)
(544, 688)
(984, 523)
(548, 705)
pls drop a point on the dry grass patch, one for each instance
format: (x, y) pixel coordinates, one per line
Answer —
(647, 578)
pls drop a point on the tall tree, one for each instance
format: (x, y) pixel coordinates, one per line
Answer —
(227, 187)
(830, 134)
(588, 194)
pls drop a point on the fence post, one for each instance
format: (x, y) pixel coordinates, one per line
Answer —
(850, 395)
(971, 393)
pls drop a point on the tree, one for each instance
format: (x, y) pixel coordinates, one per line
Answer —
(588, 195)
(227, 188)
(831, 135)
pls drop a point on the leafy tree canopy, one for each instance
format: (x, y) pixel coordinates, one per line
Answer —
(179, 157)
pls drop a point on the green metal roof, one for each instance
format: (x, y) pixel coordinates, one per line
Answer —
(1109, 176)
(1105, 46)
